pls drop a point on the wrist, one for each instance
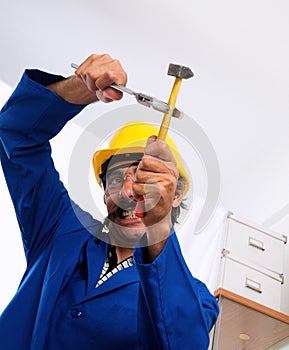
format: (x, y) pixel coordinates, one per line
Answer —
(73, 90)
(151, 252)
(157, 236)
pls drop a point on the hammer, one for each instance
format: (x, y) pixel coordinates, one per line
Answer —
(179, 72)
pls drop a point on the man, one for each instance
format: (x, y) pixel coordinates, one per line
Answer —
(124, 287)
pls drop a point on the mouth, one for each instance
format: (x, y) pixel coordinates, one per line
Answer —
(124, 216)
(128, 214)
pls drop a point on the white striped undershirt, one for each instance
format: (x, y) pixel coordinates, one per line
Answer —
(105, 275)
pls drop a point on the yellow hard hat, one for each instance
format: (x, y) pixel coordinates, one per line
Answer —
(132, 138)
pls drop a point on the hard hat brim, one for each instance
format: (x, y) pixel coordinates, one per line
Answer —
(101, 156)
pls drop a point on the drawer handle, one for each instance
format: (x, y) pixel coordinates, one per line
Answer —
(256, 244)
(255, 286)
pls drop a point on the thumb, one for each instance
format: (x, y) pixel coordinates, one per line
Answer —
(151, 139)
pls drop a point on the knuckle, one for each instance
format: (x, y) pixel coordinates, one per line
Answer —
(171, 184)
(105, 56)
(145, 162)
(138, 177)
(162, 146)
(137, 189)
(116, 62)
(125, 77)
(93, 56)
(106, 75)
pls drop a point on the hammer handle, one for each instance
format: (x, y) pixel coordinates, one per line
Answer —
(167, 117)
(140, 209)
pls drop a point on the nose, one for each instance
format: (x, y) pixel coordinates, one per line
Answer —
(126, 190)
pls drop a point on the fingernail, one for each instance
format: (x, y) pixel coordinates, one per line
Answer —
(151, 139)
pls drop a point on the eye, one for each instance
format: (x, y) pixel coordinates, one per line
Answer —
(114, 180)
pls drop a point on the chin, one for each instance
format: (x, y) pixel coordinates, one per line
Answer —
(126, 234)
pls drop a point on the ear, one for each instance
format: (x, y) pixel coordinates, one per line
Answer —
(179, 195)
(178, 198)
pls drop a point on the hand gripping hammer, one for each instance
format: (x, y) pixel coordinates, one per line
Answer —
(180, 73)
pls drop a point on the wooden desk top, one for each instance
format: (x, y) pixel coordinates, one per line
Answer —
(263, 326)
(251, 304)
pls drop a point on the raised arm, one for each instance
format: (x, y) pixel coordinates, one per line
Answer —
(91, 81)
(37, 110)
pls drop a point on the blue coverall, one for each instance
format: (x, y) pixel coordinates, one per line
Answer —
(57, 307)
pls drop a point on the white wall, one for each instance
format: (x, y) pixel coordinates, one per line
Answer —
(239, 96)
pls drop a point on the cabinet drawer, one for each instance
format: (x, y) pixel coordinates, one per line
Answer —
(251, 284)
(255, 246)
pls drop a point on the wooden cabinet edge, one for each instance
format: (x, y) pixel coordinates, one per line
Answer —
(220, 292)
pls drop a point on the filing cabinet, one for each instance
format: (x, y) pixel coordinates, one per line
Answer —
(252, 263)
(252, 283)
(250, 290)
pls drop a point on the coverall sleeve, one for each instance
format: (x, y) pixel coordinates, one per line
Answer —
(28, 120)
(176, 311)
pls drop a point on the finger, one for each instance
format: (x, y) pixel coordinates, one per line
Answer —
(93, 63)
(146, 191)
(100, 95)
(89, 65)
(159, 149)
(151, 139)
(153, 194)
(112, 94)
(99, 71)
(108, 94)
(150, 166)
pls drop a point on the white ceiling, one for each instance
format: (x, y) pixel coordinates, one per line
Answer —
(238, 50)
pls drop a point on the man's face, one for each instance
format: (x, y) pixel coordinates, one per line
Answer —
(126, 229)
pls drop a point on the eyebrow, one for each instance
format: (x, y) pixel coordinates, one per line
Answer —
(114, 172)
(122, 166)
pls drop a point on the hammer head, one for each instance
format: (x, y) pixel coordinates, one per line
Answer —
(179, 71)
